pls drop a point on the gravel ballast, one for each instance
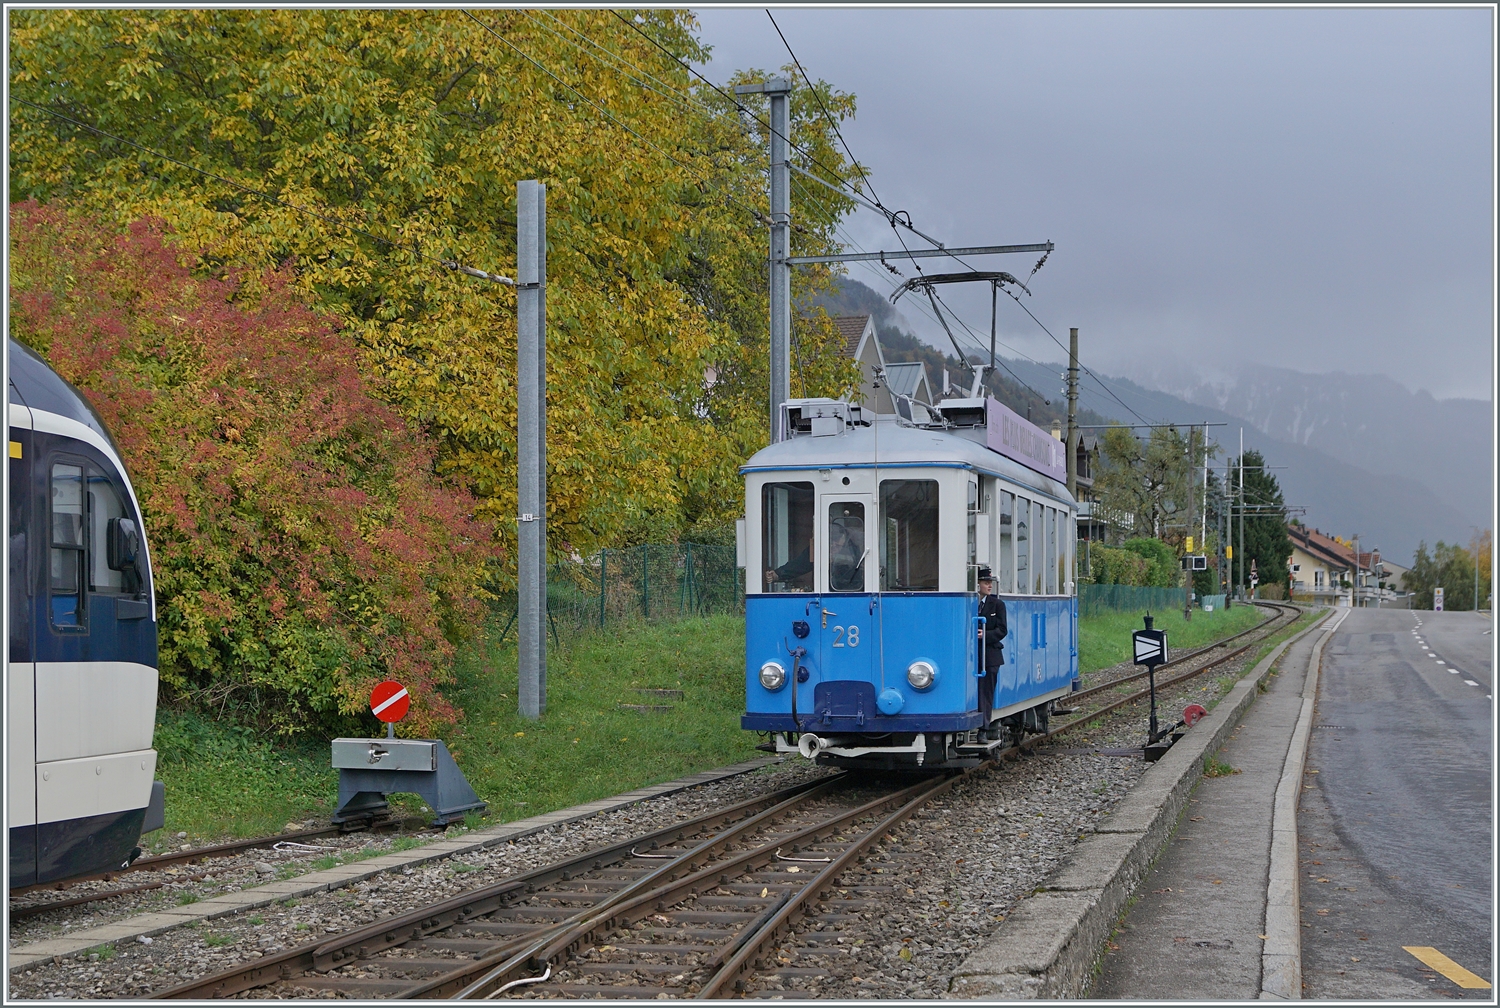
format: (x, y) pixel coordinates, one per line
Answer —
(944, 880)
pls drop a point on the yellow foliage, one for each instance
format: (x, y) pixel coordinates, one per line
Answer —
(414, 126)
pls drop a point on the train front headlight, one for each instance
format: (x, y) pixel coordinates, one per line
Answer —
(920, 674)
(772, 675)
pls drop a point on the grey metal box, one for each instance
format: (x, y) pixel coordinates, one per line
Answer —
(384, 754)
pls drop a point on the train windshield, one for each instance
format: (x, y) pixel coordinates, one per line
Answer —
(909, 535)
(787, 517)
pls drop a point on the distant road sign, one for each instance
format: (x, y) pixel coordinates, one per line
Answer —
(1150, 647)
(389, 701)
(1437, 600)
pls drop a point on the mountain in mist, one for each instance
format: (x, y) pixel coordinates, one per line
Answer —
(1362, 454)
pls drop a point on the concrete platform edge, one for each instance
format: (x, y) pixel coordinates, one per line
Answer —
(155, 922)
(1048, 946)
(1281, 956)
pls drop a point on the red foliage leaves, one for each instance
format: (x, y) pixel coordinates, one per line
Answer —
(303, 546)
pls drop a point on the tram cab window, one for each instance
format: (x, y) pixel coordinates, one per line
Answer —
(846, 546)
(787, 517)
(908, 535)
(103, 504)
(1005, 521)
(68, 546)
(1054, 563)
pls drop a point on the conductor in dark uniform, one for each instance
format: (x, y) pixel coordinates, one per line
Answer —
(992, 633)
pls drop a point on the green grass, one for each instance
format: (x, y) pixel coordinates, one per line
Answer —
(224, 781)
(585, 747)
(1104, 638)
(227, 781)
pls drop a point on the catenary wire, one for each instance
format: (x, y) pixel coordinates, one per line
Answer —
(849, 240)
(824, 108)
(892, 217)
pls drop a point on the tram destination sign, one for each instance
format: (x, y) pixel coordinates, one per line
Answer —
(1017, 438)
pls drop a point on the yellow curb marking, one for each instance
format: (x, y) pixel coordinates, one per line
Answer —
(1450, 969)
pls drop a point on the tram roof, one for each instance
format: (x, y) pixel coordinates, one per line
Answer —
(890, 443)
(34, 384)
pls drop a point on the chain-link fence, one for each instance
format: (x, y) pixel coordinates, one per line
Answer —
(647, 582)
(1126, 598)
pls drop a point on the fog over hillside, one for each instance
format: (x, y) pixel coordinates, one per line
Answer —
(1363, 454)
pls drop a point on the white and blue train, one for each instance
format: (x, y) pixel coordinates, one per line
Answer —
(862, 539)
(81, 675)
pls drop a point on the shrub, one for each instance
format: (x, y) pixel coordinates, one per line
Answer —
(302, 545)
(1165, 569)
(1117, 566)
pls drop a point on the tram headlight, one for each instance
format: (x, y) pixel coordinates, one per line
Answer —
(920, 674)
(772, 675)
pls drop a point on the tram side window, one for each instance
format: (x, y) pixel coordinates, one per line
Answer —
(972, 561)
(1054, 563)
(1066, 537)
(1038, 548)
(787, 517)
(908, 535)
(1007, 554)
(66, 558)
(1023, 546)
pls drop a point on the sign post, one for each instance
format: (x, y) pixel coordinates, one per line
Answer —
(1150, 649)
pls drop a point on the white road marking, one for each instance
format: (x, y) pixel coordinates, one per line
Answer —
(1440, 661)
(1455, 671)
(1471, 682)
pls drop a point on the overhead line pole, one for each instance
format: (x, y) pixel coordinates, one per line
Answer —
(531, 445)
(1073, 413)
(777, 89)
(1192, 496)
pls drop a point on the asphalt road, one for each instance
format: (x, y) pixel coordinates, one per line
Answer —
(1395, 823)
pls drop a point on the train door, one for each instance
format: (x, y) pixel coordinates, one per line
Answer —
(844, 551)
(20, 707)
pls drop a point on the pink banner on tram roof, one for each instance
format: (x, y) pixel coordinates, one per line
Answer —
(1015, 437)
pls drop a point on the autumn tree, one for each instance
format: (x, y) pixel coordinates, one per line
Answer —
(1452, 566)
(1150, 479)
(303, 546)
(1265, 535)
(363, 146)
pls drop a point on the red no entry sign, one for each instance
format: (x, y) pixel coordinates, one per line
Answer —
(390, 701)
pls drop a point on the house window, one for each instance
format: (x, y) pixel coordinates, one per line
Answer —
(1317, 579)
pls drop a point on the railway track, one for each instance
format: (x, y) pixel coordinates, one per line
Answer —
(692, 910)
(1284, 616)
(196, 855)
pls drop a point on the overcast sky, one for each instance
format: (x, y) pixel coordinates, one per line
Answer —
(1308, 188)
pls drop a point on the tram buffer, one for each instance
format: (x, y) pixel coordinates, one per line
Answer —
(1150, 649)
(371, 769)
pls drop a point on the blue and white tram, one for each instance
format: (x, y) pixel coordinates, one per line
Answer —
(81, 673)
(862, 539)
